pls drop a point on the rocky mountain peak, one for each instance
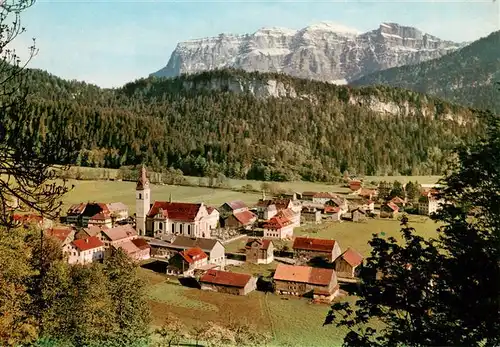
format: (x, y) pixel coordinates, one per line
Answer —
(325, 51)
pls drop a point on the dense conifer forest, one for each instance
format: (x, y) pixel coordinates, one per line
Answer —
(316, 136)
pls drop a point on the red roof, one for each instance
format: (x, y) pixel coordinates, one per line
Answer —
(263, 244)
(193, 254)
(211, 209)
(224, 278)
(88, 243)
(244, 217)
(141, 243)
(352, 257)
(312, 244)
(304, 274)
(392, 206)
(60, 233)
(143, 181)
(180, 211)
(355, 185)
(397, 200)
(331, 209)
(27, 218)
(101, 216)
(367, 192)
(277, 223)
(77, 208)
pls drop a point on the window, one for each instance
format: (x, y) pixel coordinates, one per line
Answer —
(160, 225)
(180, 228)
(173, 228)
(140, 196)
(189, 229)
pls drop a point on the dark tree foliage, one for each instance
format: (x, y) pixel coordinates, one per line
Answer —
(444, 291)
(178, 123)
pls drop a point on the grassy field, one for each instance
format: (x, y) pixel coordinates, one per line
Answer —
(355, 235)
(114, 191)
(291, 321)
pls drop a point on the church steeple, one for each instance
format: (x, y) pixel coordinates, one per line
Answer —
(143, 181)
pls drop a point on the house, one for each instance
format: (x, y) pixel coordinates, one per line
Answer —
(266, 209)
(278, 228)
(185, 262)
(118, 211)
(212, 218)
(347, 263)
(306, 248)
(308, 196)
(358, 215)
(81, 214)
(114, 237)
(89, 231)
(311, 214)
(259, 251)
(101, 220)
(399, 202)
(137, 249)
(65, 235)
(178, 218)
(212, 247)
(323, 197)
(242, 219)
(84, 251)
(428, 204)
(232, 207)
(228, 282)
(367, 205)
(389, 210)
(291, 215)
(355, 186)
(321, 284)
(332, 213)
(338, 202)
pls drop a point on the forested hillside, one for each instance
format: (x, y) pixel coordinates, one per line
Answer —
(466, 76)
(200, 125)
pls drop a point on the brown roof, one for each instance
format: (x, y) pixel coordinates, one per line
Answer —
(60, 233)
(312, 244)
(286, 213)
(76, 208)
(277, 223)
(193, 254)
(101, 216)
(236, 205)
(352, 257)
(263, 244)
(88, 243)
(225, 278)
(304, 274)
(188, 242)
(367, 192)
(128, 247)
(245, 217)
(211, 209)
(179, 211)
(120, 232)
(92, 230)
(397, 200)
(141, 243)
(325, 195)
(308, 194)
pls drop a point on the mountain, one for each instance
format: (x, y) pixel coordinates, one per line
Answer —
(264, 126)
(324, 51)
(466, 76)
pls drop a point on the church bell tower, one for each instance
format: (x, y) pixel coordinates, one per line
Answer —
(142, 202)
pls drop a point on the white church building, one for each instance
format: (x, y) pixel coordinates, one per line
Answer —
(167, 218)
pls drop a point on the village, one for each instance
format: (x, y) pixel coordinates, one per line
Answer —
(190, 240)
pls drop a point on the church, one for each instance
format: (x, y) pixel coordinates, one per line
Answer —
(166, 218)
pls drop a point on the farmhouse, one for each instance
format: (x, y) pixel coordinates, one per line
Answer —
(358, 215)
(259, 251)
(65, 235)
(338, 202)
(185, 262)
(278, 228)
(266, 209)
(101, 220)
(232, 207)
(242, 219)
(389, 210)
(118, 210)
(321, 284)
(95, 213)
(368, 193)
(137, 249)
(308, 196)
(399, 202)
(84, 251)
(32, 219)
(311, 214)
(332, 213)
(347, 263)
(323, 197)
(355, 186)
(306, 248)
(213, 248)
(228, 282)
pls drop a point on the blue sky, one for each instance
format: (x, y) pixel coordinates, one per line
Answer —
(113, 42)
